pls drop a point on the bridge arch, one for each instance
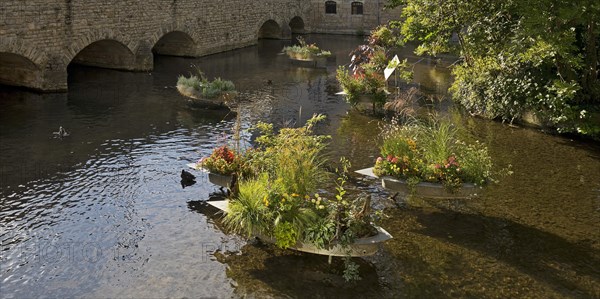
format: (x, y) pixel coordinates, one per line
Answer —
(270, 29)
(18, 70)
(297, 25)
(175, 43)
(106, 53)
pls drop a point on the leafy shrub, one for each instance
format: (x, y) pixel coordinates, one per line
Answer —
(370, 83)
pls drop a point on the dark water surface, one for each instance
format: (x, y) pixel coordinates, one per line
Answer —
(101, 213)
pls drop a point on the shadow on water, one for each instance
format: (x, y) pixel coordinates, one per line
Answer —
(265, 270)
(490, 250)
(114, 183)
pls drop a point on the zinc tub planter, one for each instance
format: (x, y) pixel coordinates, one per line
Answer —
(423, 189)
(220, 179)
(360, 247)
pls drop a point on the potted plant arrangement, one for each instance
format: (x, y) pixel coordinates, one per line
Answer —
(304, 52)
(363, 82)
(221, 165)
(279, 200)
(426, 158)
(365, 87)
(203, 93)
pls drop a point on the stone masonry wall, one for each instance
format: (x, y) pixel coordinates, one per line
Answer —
(40, 38)
(51, 33)
(344, 22)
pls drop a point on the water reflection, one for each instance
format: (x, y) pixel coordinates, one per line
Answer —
(101, 213)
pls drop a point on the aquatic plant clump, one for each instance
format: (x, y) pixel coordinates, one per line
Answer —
(430, 151)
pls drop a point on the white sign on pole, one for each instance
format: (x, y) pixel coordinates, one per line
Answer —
(389, 70)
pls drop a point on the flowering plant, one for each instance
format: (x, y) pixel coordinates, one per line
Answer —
(281, 200)
(431, 152)
(222, 161)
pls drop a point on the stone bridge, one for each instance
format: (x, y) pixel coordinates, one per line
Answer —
(40, 38)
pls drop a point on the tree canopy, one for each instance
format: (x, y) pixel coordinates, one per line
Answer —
(539, 56)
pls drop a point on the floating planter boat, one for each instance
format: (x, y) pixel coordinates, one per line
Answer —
(196, 100)
(362, 102)
(310, 62)
(361, 247)
(423, 189)
(215, 178)
(307, 55)
(203, 93)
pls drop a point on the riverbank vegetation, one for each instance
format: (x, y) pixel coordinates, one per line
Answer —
(516, 57)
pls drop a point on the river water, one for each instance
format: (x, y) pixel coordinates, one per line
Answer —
(101, 213)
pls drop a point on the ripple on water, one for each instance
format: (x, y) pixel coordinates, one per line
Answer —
(102, 213)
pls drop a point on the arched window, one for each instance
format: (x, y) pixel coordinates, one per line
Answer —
(330, 7)
(357, 8)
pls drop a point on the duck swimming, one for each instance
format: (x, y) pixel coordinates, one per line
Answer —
(61, 132)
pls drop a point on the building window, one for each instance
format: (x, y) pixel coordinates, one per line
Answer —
(330, 7)
(357, 8)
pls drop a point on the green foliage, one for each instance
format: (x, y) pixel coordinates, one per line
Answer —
(351, 270)
(430, 151)
(518, 56)
(248, 214)
(321, 233)
(292, 162)
(201, 85)
(370, 83)
(226, 161)
(222, 161)
(286, 235)
(365, 74)
(281, 202)
(294, 156)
